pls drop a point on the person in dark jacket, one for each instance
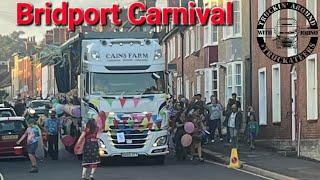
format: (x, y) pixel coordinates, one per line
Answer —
(233, 121)
(232, 101)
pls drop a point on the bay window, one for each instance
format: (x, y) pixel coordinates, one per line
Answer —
(234, 80)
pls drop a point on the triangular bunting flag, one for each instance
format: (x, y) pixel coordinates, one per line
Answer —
(95, 102)
(154, 117)
(148, 116)
(136, 101)
(110, 101)
(122, 101)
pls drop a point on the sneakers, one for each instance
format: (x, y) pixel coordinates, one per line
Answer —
(201, 159)
(34, 170)
(221, 139)
(192, 158)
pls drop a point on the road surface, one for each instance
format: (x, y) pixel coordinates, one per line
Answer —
(69, 168)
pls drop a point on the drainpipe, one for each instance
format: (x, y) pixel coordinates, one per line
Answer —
(249, 98)
(182, 62)
(299, 139)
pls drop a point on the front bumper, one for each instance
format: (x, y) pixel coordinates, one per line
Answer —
(147, 150)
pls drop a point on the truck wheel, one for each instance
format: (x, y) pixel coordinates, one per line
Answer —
(160, 160)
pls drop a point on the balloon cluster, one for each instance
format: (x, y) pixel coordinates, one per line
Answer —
(186, 139)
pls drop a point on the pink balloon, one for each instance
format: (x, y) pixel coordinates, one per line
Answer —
(186, 140)
(68, 140)
(189, 127)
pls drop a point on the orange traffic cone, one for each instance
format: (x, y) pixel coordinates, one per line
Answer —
(234, 160)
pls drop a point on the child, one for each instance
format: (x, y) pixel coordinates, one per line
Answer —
(33, 136)
(253, 129)
(197, 136)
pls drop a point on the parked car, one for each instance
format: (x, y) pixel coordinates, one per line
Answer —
(38, 106)
(7, 112)
(11, 129)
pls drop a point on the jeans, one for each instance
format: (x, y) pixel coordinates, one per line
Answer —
(53, 146)
(233, 133)
(213, 125)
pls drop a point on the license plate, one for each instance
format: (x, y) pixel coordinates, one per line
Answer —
(130, 154)
(10, 137)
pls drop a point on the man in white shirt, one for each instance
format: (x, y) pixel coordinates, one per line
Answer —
(233, 122)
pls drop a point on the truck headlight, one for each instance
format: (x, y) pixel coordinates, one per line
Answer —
(160, 141)
(95, 55)
(157, 54)
(101, 144)
(32, 111)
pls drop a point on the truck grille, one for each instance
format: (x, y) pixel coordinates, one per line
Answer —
(134, 139)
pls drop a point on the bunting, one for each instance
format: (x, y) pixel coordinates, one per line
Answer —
(110, 101)
(122, 101)
(136, 100)
(95, 102)
(154, 117)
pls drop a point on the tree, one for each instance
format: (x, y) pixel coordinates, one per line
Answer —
(3, 95)
(12, 43)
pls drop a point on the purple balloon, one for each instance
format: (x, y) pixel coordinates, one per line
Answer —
(189, 127)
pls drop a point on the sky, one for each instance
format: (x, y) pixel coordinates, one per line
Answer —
(8, 14)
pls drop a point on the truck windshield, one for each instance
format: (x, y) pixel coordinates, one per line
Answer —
(127, 84)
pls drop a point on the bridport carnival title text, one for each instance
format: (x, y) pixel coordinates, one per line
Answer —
(137, 13)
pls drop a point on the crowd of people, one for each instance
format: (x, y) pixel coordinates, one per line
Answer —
(212, 122)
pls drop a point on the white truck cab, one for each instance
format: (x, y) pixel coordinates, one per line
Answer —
(123, 74)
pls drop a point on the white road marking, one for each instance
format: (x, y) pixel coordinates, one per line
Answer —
(241, 170)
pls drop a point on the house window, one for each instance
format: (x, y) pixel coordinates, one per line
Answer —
(210, 35)
(312, 87)
(179, 46)
(312, 7)
(276, 94)
(261, 7)
(207, 83)
(292, 14)
(275, 18)
(234, 80)
(169, 51)
(237, 18)
(173, 47)
(238, 81)
(187, 89)
(192, 88)
(193, 40)
(206, 35)
(214, 83)
(179, 83)
(235, 29)
(198, 84)
(214, 34)
(187, 44)
(262, 96)
(229, 81)
(198, 38)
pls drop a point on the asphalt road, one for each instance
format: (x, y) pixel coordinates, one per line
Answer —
(69, 168)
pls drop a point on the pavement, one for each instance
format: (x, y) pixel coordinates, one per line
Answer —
(265, 162)
(69, 168)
